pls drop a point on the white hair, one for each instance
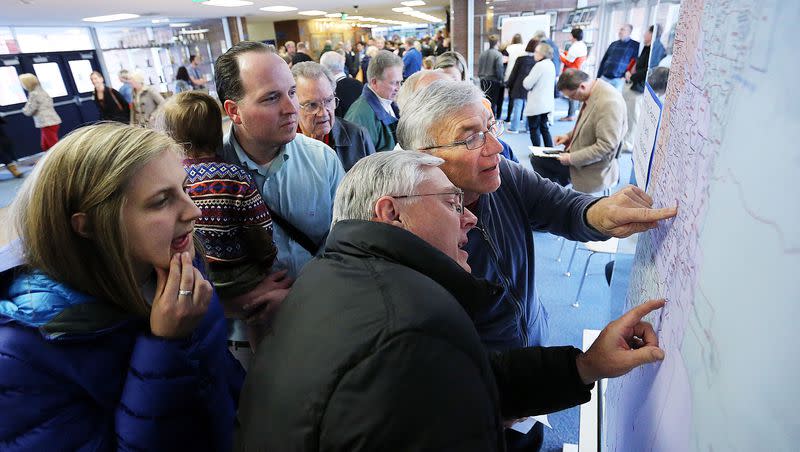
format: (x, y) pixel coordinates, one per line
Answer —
(311, 70)
(408, 89)
(334, 61)
(137, 76)
(394, 173)
(425, 109)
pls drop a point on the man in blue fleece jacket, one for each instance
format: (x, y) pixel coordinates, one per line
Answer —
(448, 120)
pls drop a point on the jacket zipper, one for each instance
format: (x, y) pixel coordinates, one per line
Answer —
(507, 284)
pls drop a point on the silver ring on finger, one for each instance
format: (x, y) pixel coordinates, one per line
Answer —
(187, 293)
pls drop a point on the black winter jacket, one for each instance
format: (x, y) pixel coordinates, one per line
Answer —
(522, 67)
(374, 349)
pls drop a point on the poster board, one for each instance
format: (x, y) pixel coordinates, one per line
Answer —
(727, 264)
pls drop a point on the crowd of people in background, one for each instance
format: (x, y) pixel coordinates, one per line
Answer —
(317, 258)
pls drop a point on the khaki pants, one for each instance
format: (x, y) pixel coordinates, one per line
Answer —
(633, 102)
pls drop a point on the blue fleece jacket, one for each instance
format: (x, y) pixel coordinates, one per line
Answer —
(79, 374)
(501, 250)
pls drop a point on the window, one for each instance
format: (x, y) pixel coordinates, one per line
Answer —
(11, 91)
(49, 76)
(53, 39)
(81, 72)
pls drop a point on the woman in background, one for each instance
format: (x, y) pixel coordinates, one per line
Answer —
(517, 94)
(145, 100)
(110, 102)
(541, 100)
(40, 106)
(112, 339)
(182, 81)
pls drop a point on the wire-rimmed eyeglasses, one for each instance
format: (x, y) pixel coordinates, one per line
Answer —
(312, 108)
(474, 141)
(458, 206)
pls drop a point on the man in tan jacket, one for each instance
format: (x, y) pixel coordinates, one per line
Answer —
(593, 145)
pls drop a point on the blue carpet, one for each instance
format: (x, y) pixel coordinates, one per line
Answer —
(557, 291)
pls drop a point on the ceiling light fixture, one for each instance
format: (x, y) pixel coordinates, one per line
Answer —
(403, 9)
(334, 15)
(110, 17)
(413, 3)
(313, 12)
(278, 9)
(179, 24)
(227, 3)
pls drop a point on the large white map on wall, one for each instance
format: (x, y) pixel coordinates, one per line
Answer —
(728, 265)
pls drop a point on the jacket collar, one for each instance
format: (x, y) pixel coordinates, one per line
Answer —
(369, 239)
(59, 312)
(375, 103)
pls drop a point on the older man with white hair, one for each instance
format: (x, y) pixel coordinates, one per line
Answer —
(449, 120)
(315, 94)
(348, 89)
(375, 349)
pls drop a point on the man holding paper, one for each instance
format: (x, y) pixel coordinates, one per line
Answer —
(593, 145)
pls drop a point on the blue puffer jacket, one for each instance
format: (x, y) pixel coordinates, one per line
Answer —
(78, 374)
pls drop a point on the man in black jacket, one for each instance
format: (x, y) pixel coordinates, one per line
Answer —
(375, 349)
(348, 89)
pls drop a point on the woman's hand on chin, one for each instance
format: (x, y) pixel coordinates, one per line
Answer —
(181, 300)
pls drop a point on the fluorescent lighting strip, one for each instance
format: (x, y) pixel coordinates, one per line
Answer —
(227, 3)
(278, 9)
(110, 17)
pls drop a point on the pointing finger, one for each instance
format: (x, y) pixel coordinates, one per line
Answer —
(632, 318)
(643, 215)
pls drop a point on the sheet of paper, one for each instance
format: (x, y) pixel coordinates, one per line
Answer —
(645, 141)
(539, 151)
(527, 424)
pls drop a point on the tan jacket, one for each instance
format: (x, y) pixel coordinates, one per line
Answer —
(596, 139)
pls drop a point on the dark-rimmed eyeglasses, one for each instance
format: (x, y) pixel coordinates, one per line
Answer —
(312, 108)
(474, 141)
(458, 207)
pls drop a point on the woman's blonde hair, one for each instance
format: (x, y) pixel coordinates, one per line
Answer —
(29, 81)
(193, 119)
(88, 171)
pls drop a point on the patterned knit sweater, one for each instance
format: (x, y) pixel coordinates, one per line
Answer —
(230, 203)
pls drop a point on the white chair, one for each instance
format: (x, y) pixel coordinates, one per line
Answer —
(607, 247)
